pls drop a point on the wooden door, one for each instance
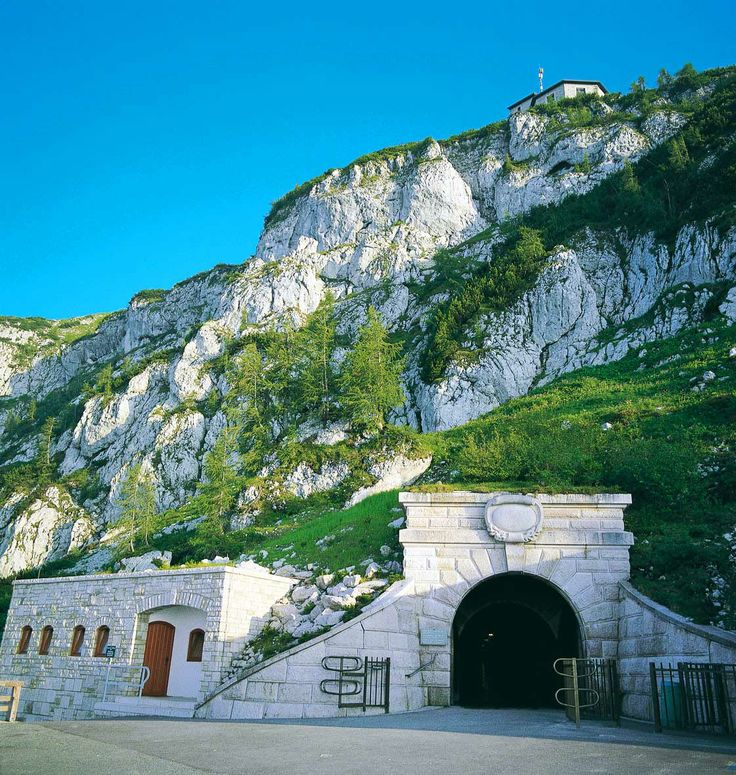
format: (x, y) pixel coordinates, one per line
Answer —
(157, 657)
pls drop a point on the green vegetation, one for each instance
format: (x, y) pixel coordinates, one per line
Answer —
(512, 272)
(149, 295)
(137, 501)
(671, 444)
(688, 179)
(477, 134)
(357, 532)
(313, 360)
(51, 335)
(371, 377)
(220, 486)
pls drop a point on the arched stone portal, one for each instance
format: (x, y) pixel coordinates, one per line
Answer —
(458, 546)
(506, 634)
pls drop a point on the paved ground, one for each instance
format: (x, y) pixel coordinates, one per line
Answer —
(447, 741)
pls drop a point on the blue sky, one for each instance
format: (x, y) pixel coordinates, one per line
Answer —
(141, 143)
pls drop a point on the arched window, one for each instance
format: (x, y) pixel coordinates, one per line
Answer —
(196, 644)
(103, 633)
(77, 639)
(25, 639)
(47, 633)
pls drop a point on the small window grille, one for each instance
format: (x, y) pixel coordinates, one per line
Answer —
(77, 639)
(47, 633)
(25, 639)
(196, 645)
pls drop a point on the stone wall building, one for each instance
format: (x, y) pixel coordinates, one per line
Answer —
(224, 607)
(497, 586)
(558, 91)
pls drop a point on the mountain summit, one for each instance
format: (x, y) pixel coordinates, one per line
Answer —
(390, 301)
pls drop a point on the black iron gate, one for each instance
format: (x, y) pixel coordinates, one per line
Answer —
(696, 696)
(358, 683)
(590, 688)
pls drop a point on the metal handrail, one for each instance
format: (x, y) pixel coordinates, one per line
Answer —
(422, 667)
(576, 705)
(144, 675)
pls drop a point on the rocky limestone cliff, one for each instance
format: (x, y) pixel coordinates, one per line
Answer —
(372, 233)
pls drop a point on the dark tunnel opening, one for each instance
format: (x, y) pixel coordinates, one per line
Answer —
(507, 633)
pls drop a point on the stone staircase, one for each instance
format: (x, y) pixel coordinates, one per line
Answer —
(163, 707)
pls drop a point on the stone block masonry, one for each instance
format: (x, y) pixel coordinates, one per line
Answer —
(581, 550)
(235, 602)
(570, 553)
(649, 632)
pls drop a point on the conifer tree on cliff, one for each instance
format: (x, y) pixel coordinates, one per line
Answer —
(137, 501)
(316, 343)
(371, 377)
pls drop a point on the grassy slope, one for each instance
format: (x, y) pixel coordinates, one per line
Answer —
(359, 532)
(672, 447)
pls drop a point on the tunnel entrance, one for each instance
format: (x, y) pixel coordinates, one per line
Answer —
(507, 632)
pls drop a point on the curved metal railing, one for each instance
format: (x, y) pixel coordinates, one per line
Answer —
(575, 676)
(143, 676)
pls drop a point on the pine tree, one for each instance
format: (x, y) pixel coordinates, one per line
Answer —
(664, 79)
(103, 383)
(248, 415)
(246, 379)
(371, 377)
(137, 501)
(45, 459)
(221, 480)
(316, 344)
(639, 85)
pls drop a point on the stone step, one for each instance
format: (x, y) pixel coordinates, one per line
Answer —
(168, 707)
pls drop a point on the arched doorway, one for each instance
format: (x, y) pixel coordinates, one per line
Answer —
(507, 632)
(174, 650)
(157, 657)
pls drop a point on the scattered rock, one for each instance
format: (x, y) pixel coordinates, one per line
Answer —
(285, 612)
(302, 594)
(329, 618)
(149, 561)
(338, 603)
(371, 570)
(324, 580)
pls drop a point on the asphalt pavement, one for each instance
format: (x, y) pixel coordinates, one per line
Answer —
(447, 741)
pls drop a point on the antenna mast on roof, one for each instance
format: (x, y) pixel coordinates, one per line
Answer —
(541, 79)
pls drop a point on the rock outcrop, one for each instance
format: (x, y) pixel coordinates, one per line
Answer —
(373, 233)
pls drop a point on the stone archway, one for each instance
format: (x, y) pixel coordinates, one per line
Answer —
(507, 632)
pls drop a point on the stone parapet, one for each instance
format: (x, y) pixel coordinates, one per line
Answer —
(650, 632)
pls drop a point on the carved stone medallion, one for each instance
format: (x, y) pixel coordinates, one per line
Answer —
(513, 518)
